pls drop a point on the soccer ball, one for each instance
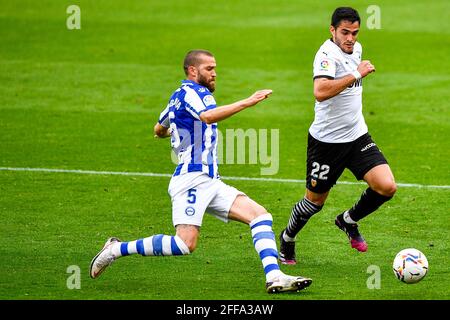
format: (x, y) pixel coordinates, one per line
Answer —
(410, 265)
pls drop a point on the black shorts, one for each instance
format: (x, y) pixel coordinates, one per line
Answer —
(326, 161)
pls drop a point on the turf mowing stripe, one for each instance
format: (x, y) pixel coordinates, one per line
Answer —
(150, 174)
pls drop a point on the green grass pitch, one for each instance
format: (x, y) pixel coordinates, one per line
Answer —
(87, 100)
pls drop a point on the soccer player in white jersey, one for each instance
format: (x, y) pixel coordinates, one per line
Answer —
(338, 138)
(190, 119)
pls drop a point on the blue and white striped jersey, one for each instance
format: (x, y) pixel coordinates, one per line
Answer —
(193, 141)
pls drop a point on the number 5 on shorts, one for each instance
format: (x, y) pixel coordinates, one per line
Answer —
(191, 196)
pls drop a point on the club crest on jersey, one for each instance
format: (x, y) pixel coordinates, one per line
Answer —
(189, 211)
(313, 182)
(209, 100)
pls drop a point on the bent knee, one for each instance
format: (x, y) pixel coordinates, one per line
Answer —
(256, 210)
(393, 189)
(388, 189)
(188, 246)
(316, 198)
(192, 247)
(191, 244)
(259, 210)
(188, 234)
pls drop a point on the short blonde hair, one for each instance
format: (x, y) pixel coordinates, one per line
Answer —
(192, 58)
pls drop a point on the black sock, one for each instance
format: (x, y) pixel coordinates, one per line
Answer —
(301, 212)
(368, 203)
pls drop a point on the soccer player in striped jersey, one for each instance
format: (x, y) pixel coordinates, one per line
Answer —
(190, 119)
(338, 138)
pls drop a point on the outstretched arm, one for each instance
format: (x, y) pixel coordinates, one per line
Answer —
(223, 112)
(326, 88)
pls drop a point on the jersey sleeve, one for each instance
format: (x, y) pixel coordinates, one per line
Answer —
(164, 118)
(324, 65)
(197, 103)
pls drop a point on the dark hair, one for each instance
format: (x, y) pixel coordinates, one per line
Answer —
(192, 58)
(344, 13)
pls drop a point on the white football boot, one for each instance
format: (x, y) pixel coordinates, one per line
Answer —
(103, 259)
(285, 282)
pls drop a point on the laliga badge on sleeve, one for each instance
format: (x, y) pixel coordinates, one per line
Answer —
(209, 100)
(324, 65)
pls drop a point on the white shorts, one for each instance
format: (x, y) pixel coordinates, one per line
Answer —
(195, 193)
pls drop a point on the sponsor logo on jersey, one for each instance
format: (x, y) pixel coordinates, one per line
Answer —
(189, 211)
(209, 100)
(370, 145)
(174, 103)
(202, 90)
(357, 83)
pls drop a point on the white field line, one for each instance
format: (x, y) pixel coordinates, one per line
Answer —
(167, 175)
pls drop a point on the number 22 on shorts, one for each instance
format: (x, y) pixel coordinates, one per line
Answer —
(320, 171)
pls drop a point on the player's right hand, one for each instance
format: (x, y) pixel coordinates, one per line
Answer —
(365, 67)
(162, 132)
(259, 96)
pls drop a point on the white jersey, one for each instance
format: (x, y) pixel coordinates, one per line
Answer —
(338, 119)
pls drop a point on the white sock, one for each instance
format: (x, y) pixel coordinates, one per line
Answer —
(157, 245)
(265, 245)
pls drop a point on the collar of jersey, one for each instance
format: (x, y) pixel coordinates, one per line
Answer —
(190, 83)
(193, 83)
